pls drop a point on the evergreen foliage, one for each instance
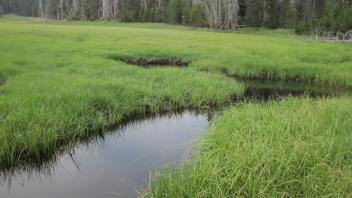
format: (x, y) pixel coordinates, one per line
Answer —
(304, 16)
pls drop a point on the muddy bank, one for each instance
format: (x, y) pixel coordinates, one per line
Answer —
(2, 82)
(152, 62)
(274, 77)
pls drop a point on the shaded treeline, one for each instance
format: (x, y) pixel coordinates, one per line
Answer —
(302, 15)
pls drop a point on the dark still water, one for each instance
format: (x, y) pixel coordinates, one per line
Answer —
(113, 167)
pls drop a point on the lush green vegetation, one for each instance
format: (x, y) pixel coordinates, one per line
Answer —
(59, 84)
(294, 148)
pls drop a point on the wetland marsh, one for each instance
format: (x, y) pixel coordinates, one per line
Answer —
(63, 87)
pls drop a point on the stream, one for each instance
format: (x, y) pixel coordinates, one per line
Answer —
(119, 164)
(116, 166)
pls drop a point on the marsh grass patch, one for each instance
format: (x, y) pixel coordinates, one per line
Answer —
(148, 62)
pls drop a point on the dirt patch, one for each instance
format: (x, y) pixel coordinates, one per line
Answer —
(153, 62)
(2, 82)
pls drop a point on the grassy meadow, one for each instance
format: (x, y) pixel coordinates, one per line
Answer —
(59, 84)
(293, 148)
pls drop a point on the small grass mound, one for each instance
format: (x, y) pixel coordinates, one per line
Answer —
(153, 62)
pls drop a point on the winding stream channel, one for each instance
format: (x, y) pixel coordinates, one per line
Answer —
(119, 164)
(115, 166)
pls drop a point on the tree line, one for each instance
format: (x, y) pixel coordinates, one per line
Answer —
(303, 15)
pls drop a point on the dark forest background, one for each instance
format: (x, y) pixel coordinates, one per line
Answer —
(305, 16)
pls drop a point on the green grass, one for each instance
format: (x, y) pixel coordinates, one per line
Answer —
(294, 148)
(61, 86)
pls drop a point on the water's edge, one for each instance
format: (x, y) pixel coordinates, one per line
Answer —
(117, 163)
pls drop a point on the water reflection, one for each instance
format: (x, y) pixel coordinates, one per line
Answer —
(114, 165)
(276, 90)
(117, 163)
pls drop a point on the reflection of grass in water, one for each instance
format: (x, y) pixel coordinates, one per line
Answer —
(45, 167)
(280, 89)
(297, 147)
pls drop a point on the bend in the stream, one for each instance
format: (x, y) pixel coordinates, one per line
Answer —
(118, 161)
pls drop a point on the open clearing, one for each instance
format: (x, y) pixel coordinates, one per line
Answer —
(62, 87)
